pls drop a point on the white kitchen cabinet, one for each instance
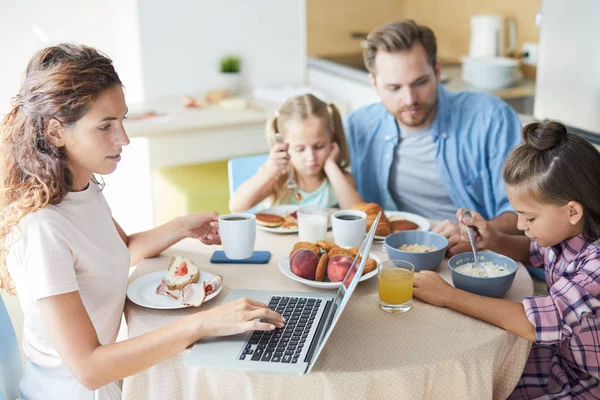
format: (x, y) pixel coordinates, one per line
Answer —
(355, 91)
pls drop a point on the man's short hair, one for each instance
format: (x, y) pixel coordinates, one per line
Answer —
(399, 36)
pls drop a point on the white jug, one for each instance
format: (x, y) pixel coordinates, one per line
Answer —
(488, 36)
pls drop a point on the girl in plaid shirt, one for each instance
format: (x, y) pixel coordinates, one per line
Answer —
(553, 182)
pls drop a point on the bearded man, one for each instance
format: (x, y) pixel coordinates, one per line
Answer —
(426, 150)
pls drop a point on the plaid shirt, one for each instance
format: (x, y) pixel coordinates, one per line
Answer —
(565, 361)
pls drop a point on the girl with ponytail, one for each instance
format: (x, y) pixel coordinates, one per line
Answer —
(314, 147)
(553, 182)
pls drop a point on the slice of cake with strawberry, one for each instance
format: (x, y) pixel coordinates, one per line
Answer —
(181, 272)
(181, 282)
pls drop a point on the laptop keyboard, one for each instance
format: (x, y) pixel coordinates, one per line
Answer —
(283, 344)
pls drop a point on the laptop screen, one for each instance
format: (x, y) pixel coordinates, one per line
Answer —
(346, 288)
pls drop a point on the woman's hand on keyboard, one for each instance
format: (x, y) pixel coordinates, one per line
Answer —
(237, 316)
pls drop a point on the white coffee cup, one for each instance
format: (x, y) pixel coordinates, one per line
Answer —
(238, 234)
(349, 227)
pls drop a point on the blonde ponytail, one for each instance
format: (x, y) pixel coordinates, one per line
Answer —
(337, 131)
(271, 130)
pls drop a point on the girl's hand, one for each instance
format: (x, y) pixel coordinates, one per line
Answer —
(333, 154)
(279, 159)
(239, 316)
(203, 226)
(430, 288)
(485, 235)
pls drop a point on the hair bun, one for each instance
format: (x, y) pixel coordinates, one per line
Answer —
(544, 135)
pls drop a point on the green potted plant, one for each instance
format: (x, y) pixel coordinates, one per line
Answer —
(229, 68)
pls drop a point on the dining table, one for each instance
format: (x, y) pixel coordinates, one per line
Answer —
(428, 352)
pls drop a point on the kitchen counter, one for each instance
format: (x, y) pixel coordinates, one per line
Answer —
(351, 67)
(180, 136)
(173, 117)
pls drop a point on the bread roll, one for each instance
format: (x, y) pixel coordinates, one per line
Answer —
(403, 225)
(372, 209)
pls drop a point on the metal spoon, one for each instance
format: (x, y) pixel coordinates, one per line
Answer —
(467, 214)
(290, 184)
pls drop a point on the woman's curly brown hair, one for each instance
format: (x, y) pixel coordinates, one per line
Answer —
(60, 83)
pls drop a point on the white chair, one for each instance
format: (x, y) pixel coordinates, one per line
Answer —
(10, 359)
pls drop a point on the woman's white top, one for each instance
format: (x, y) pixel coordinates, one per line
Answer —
(72, 246)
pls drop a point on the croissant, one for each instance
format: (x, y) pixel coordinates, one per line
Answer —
(384, 227)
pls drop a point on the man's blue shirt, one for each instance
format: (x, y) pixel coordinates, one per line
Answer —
(473, 133)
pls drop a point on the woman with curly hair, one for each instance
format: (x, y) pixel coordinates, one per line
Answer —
(67, 257)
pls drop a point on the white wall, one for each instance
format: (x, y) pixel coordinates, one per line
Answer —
(110, 26)
(166, 49)
(182, 44)
(159, 49)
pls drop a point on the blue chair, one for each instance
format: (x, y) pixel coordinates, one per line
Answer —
(10, 358)
(240, 169)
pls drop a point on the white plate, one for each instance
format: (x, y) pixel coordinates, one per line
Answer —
(142, 291)
(278, 210)
(423, 223)
(282, 211)
(284, 267)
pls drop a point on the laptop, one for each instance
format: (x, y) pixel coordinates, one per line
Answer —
(293, 349)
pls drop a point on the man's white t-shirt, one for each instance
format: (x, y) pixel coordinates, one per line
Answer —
(415, 182)
(72, 246)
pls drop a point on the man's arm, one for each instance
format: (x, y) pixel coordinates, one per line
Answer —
(506, 223)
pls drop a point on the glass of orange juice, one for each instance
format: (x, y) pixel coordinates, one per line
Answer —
(395, 282)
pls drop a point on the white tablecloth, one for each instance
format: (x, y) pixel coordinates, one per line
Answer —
(426, 353)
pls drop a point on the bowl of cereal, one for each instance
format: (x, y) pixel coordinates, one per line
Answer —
(423, 249)
(495, 281)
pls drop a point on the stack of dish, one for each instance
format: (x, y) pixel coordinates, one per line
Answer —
(491, 73)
